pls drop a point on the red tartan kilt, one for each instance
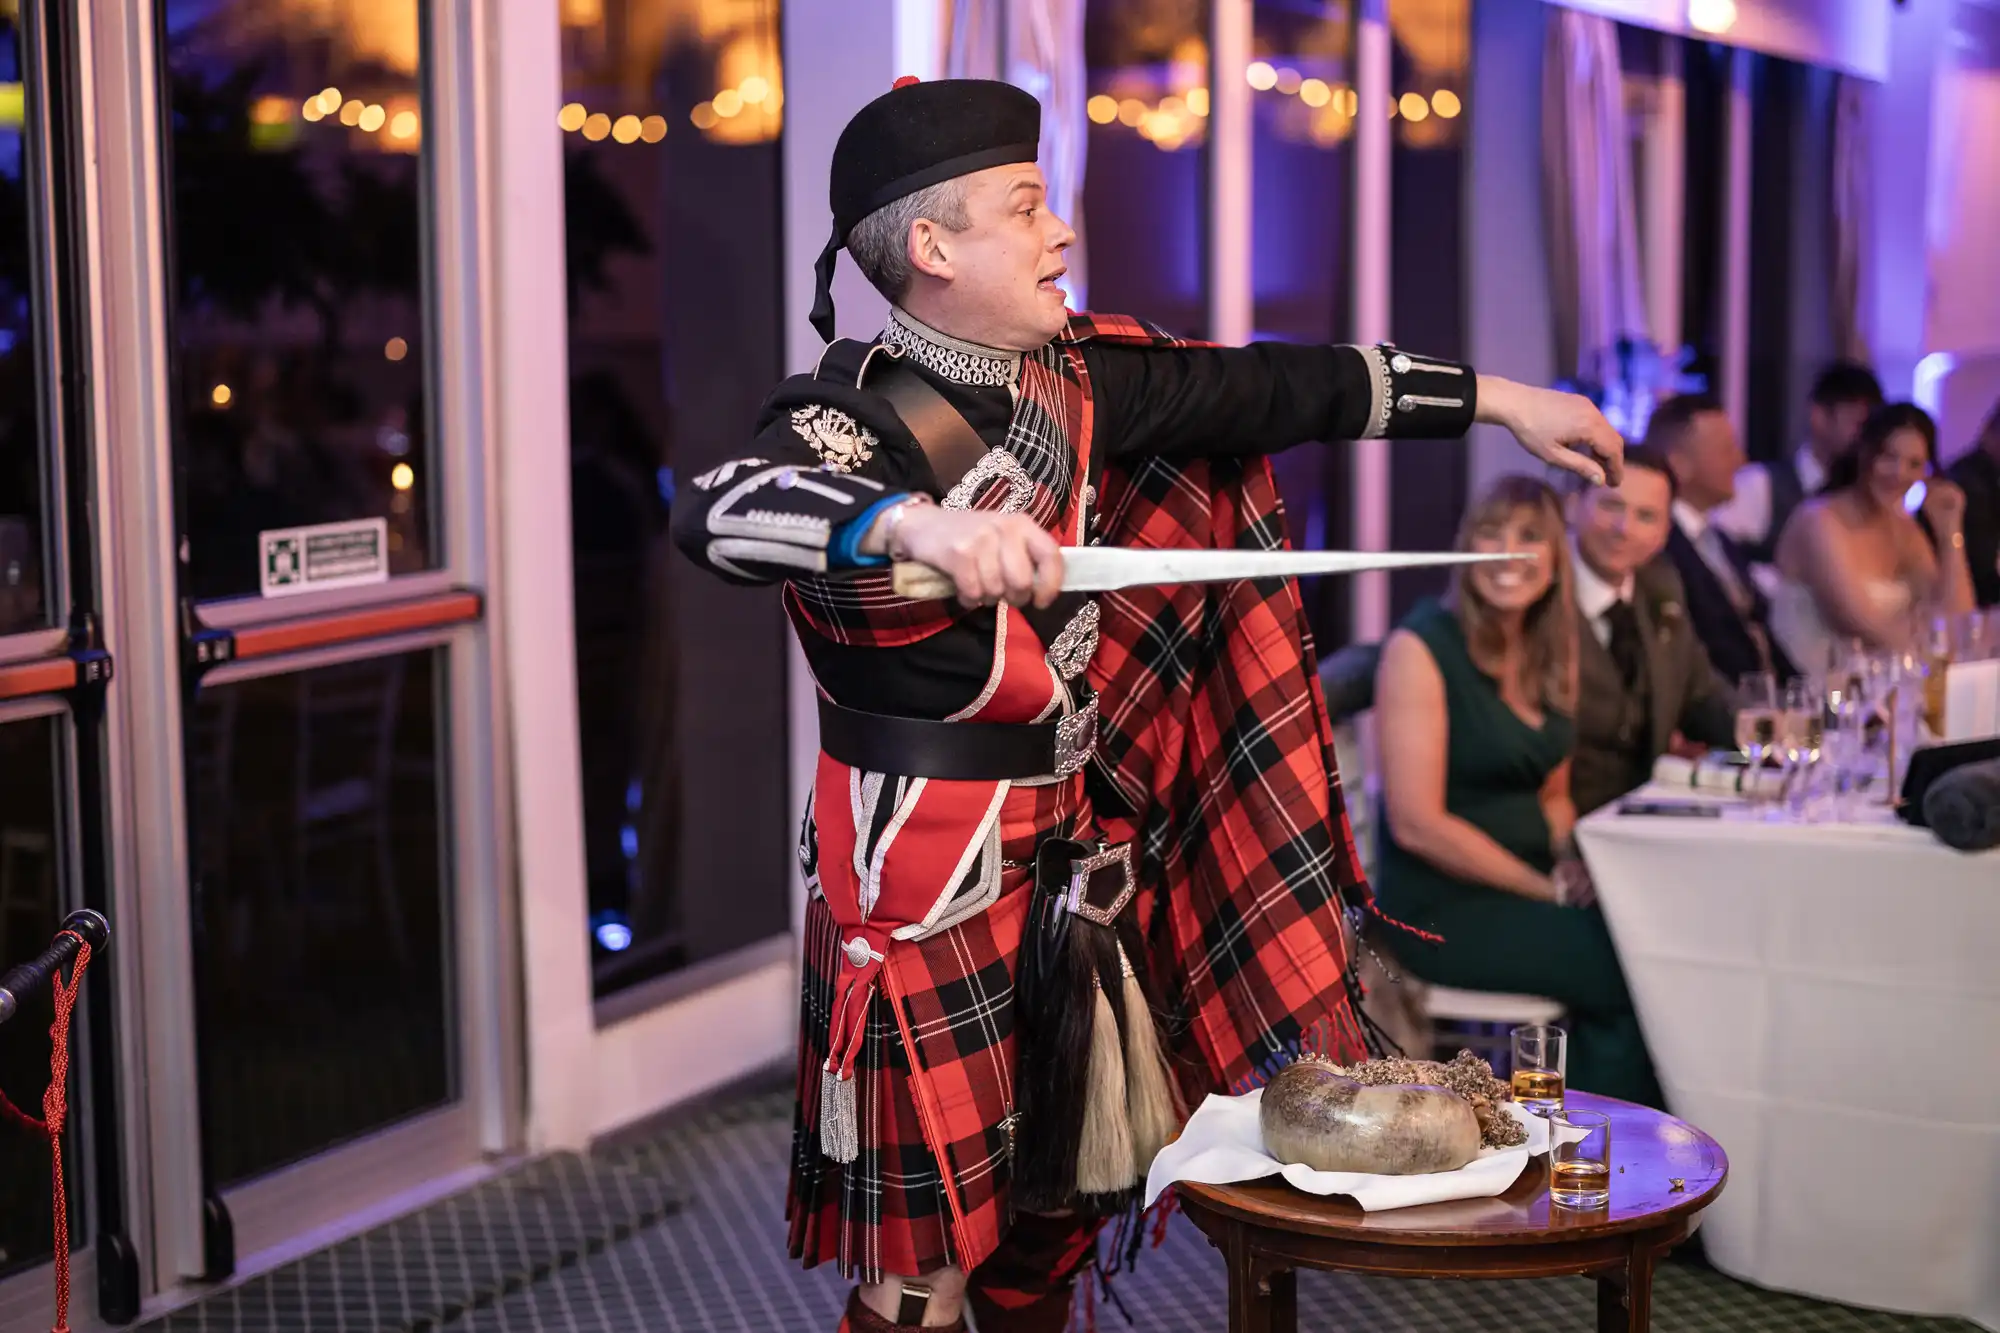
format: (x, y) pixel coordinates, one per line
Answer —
(888, 1212)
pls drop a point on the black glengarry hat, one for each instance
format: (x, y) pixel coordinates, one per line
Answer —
(912, 137)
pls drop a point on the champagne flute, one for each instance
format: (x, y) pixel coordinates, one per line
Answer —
(1757, 722)
(1802, 733)
(1951, 639)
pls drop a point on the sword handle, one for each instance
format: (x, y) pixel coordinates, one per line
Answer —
(920, 582)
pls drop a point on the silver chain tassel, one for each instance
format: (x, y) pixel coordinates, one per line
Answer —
(839, 1122)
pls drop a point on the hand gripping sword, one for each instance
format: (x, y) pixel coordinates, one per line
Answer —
(1106, 568)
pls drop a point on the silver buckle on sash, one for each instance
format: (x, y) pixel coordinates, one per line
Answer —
(1076, 740)
(1073, 648)
(1075, 900)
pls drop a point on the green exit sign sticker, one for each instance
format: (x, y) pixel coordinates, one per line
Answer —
(331, 555)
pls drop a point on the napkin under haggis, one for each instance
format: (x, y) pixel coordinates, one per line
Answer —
(1467, 1075)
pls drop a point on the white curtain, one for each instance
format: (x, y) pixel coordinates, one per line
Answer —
(1853, 164)
(1591, 217)
(1036, 45)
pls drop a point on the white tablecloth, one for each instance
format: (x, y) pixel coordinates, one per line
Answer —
(1825, 1001)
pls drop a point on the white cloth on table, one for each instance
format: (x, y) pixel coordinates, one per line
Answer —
(1823, 1000)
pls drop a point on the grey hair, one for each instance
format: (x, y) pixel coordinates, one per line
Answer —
(880, 242)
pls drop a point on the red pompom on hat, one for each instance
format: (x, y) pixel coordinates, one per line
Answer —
(906, 81)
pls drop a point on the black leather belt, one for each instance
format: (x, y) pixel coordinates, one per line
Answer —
(964, 751)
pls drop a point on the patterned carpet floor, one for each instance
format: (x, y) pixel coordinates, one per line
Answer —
(678, 1229)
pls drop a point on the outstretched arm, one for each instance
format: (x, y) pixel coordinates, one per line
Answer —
(1268, 396)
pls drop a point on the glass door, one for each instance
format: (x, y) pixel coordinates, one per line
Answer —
(54, 673)
(322, 614)
(293, 540)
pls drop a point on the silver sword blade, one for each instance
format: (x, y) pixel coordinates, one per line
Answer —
(1105, 568)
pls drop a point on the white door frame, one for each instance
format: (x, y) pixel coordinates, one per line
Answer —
(591, 1069)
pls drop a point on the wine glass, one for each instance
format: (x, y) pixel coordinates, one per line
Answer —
(1975, 632)
(1801, 733)
(1756, 722)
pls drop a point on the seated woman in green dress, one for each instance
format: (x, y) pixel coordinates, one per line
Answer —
(1474, 698)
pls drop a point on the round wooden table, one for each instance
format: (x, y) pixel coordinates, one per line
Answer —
(1663, 1173)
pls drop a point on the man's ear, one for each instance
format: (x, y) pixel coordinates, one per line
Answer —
(930, 249)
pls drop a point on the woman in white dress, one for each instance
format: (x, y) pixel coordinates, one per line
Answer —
(1853, 561)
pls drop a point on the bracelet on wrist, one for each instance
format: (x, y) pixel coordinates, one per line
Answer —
(892, 524)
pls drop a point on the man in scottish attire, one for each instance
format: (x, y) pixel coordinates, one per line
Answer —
(1075, 862)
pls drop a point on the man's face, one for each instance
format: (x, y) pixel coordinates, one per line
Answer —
(1619, 528)
(1835, 426)
(1000, 272)
(1706, 459)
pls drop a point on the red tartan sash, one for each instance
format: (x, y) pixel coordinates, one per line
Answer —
(1213, 728)
(864, 610)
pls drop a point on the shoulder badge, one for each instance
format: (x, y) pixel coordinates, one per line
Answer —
(842, 443)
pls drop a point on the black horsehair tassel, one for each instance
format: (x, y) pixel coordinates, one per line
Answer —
(1054, 1013)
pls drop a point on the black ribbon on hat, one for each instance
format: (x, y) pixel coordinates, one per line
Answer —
(822, 311)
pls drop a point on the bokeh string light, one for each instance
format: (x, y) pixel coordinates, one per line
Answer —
(747, 113)
(1175, 120)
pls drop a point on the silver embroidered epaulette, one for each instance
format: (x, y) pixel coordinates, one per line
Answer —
(841, 442)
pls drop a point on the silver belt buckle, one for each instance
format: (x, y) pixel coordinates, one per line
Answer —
(1076, 740)
(1079, 884)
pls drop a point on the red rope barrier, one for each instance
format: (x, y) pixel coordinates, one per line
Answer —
(55, 1110)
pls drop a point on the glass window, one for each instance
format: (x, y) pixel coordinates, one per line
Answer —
(1705, 68)
(1302, 114)
(1146, 162)
(323, 953)
(31, 906)
(675, 338)
(1430, 78)
(1790, 165)
(1301, 77)
(22, 568)
(294, 198)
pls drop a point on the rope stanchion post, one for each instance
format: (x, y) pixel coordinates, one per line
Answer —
(55, 1108)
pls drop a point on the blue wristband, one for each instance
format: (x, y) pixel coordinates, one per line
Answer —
(842, 550)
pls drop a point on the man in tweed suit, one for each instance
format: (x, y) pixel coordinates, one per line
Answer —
(1157, 764)
(1644, 685)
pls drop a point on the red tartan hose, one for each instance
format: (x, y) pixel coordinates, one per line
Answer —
(55, 1109)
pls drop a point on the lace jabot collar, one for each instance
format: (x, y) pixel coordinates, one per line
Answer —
(950, 358)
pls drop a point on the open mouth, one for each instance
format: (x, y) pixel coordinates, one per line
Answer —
(1048, 284)
(1507, 577)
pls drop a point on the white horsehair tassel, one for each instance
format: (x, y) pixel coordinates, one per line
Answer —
(839, 1122)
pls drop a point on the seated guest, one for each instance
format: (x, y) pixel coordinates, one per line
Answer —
(1730, 614)
(1978, 475)
(1644, 685)
(1473, 703)
(1767, 493)
(1854, 562)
